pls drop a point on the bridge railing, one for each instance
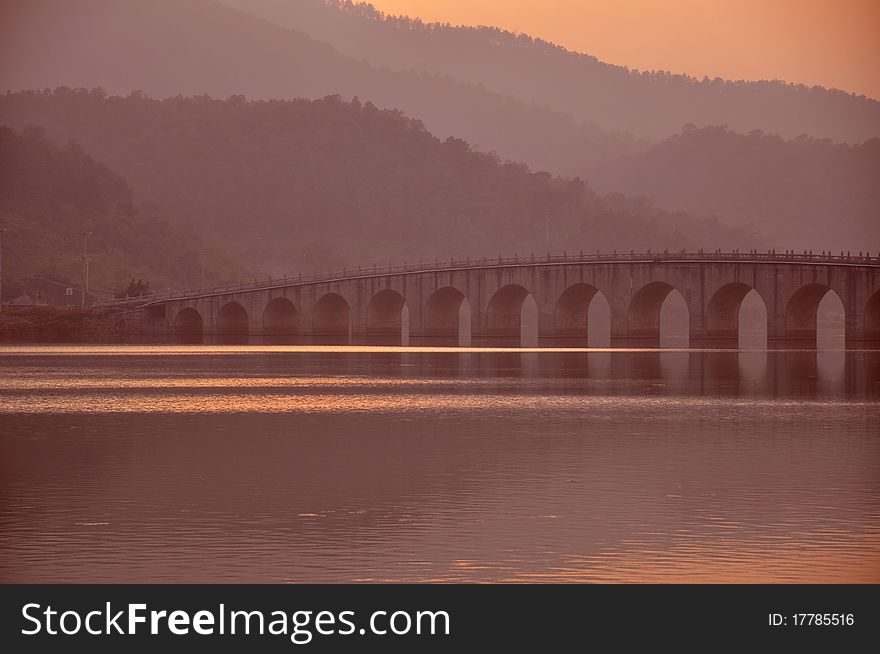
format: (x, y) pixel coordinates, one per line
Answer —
(502, 261)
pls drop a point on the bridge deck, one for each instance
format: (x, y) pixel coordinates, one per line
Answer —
(437, 265)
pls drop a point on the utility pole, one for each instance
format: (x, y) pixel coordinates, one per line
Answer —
(547, 217)
(85, 258)
(259, 240)
(2, 231)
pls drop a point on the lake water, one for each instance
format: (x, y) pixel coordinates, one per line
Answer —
(296, 464)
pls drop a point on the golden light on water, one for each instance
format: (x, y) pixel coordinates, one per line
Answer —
(689, 561)
(328, 403)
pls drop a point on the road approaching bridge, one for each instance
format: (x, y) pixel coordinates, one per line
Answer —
(530, 301)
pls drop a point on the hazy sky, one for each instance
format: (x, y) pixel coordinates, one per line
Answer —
(834, 43)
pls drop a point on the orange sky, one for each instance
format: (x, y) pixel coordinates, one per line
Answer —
(834, 43)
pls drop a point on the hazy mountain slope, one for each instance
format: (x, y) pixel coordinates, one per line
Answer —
(805, 193)
(186, 47)
(646, 103)
(298, 184)
(50, 194)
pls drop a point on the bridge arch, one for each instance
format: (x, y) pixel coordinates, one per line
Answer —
(233, 323)
(658, 313)
(815, 312)
(512, 316)
(388, 318)
(331, 322)
(736, 311)
(280, 320)
(872, 317)
(189, 326)
(447, 317)
(576, 316)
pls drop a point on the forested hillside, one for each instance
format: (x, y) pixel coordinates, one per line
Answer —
(802, 193)
(50, 194)
(300, 184)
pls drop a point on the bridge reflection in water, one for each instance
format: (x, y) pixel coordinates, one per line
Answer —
(744, 300)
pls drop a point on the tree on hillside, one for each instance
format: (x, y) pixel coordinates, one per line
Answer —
(135, 288)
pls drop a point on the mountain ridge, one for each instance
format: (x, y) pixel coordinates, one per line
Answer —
(190, 47)
(581, 85)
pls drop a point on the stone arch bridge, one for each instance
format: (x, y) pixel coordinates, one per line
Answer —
(488, 302)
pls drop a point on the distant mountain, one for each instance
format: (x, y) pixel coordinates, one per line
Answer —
(297, 185)
(188, 47)
(653, 104)
(802, 193)
(185, 47)
(50, 194)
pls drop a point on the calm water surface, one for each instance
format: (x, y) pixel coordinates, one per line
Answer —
(295, 464)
